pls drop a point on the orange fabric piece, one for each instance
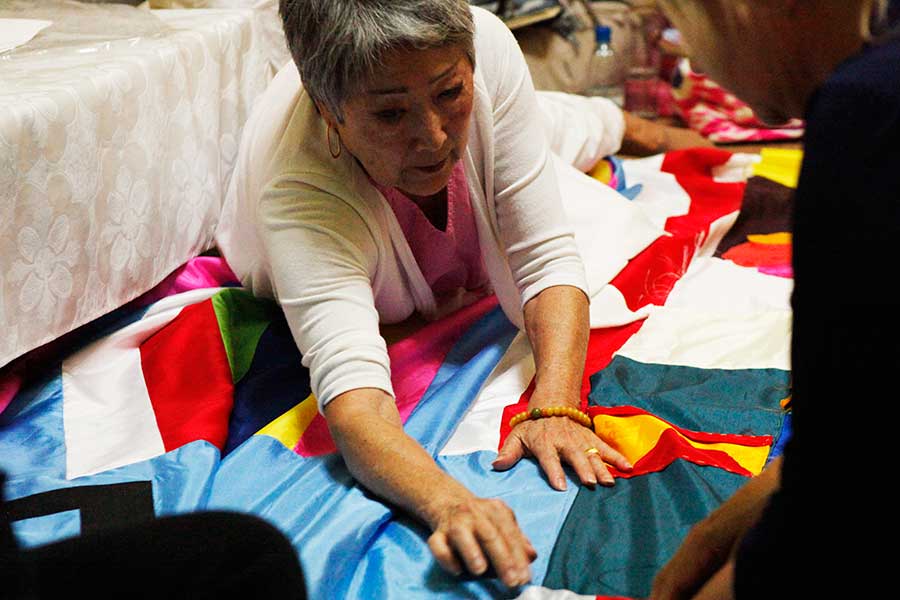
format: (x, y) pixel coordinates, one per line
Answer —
(751, 254)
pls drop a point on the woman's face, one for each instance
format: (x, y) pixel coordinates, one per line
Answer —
(409, 124)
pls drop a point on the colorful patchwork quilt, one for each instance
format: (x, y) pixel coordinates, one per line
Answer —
(193, 397)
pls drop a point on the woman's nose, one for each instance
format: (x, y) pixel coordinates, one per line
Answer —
(429, 133)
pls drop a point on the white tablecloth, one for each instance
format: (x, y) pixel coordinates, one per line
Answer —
(119, 127)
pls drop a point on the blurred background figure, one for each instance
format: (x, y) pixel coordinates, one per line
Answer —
(803, 527)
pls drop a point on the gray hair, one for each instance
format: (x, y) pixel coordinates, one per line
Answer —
(338, 44)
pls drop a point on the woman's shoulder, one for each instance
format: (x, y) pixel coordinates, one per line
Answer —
(491, 35)
(291, 144)
(499, 63)
(485, 19)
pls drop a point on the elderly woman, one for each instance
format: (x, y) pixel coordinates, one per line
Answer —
(808, 521)
(411, 173)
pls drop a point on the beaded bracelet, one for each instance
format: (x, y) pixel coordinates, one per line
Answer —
(552, 411)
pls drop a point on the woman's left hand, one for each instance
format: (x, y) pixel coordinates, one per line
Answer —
(557, 440)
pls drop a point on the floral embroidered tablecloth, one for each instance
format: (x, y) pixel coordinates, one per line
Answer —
(119, 127)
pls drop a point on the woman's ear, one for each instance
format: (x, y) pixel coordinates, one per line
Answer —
(326, 114)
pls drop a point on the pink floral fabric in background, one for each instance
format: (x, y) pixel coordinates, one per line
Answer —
(719, 115)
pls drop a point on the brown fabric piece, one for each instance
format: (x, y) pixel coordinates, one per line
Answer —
(766, 208)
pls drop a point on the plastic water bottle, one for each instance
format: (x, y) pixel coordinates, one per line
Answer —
(607, 73)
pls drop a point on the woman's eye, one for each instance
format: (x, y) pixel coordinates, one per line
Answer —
(451, 93)
(389, 116)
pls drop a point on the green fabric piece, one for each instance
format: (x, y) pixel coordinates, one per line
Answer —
(615, 540)
(242, 320)
(737, 401)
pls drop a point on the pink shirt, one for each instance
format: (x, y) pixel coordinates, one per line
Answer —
(449, 259)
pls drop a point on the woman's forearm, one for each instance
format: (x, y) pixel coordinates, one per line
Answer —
(557, 322)
(368, 432)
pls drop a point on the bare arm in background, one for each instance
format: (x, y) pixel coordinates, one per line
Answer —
(703, 566)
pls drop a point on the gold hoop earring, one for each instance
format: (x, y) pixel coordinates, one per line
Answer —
(328, 139)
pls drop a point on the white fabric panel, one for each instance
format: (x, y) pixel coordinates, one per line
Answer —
(662, 196)
(119, 128)
(537, 592)
(479, 428)
(719, 316)
(717, 285)
(712, 341)
(608, 309)
(737, 168)
(95, 407)
(607, 237)
(104, 427)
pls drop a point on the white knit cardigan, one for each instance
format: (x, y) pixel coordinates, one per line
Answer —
(313, 233)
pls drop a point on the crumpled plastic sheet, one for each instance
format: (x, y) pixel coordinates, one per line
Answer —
(78, 28)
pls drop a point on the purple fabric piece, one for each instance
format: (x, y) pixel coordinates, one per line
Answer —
(778, 270)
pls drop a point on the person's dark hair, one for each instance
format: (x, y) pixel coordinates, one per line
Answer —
(337, 44)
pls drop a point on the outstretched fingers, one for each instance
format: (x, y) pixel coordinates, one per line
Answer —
(557, 441)
(507, 547)
(483, 533)
(443, 552)
(549, 457)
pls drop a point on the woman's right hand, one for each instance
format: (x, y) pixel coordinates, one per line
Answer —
(469, 533)
(475, 533)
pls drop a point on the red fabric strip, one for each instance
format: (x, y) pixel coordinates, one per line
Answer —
(188, 377)
(671, 446)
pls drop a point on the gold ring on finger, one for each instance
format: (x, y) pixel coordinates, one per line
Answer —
(592, 450)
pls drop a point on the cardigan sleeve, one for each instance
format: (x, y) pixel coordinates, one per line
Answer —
(322, 259)
(534, 231)
(581, 130)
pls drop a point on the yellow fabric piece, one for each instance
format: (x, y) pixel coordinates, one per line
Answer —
(781, 165)
(634, 436)
(773, 239)
(288, 428)
(602, 171)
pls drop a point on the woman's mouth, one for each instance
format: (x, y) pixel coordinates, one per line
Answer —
(433, 168)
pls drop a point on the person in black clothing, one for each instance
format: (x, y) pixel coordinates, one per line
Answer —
(213, 555)
(805, 527)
